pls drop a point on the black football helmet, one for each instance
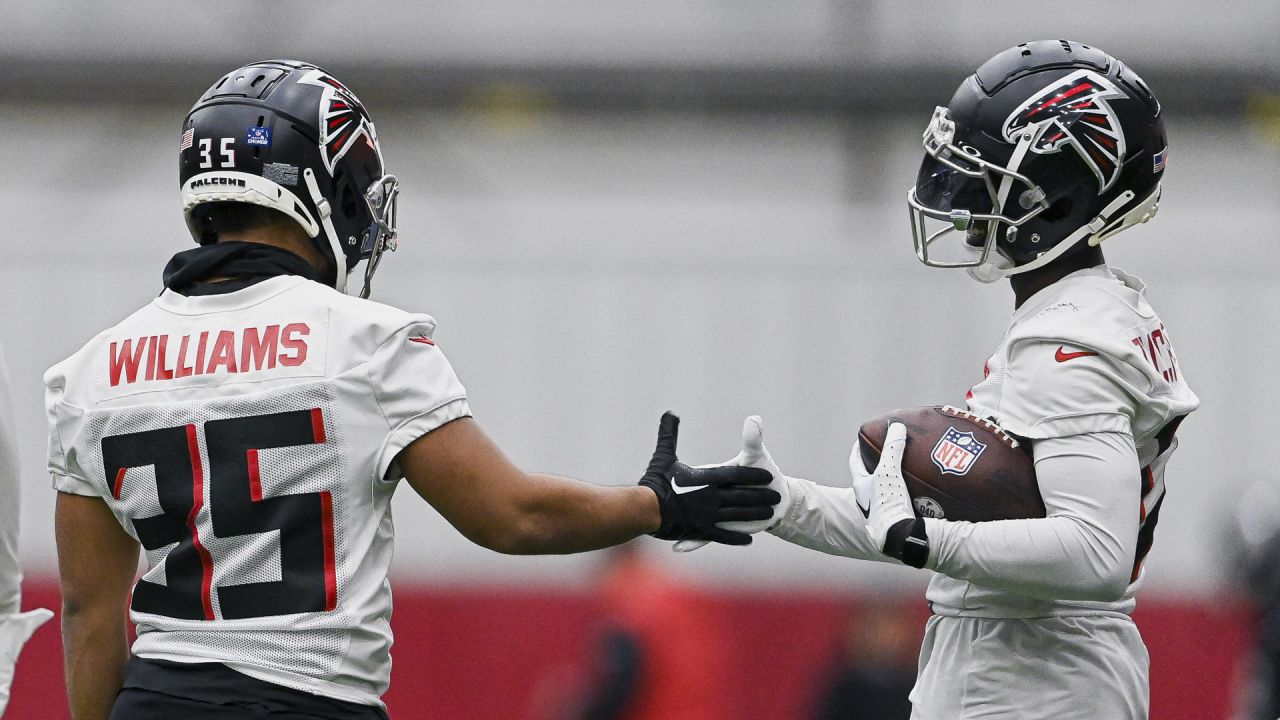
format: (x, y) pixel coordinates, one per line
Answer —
(1048, 145)
(289, 136)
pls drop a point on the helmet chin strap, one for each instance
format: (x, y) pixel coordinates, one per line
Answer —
(335, 248)
(1027, 137)
(993, 267)
(996, 265)
(991, 271)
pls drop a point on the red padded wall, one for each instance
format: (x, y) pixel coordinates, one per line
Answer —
(502, 653)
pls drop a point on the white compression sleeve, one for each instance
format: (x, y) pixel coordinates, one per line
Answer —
(1083, 550)
(827, 519)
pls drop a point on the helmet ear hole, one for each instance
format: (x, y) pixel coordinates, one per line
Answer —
(1060, 209)
(348, 201)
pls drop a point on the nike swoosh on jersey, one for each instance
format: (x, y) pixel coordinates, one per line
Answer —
(1062, 356)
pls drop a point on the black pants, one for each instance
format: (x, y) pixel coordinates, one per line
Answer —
(161, 690)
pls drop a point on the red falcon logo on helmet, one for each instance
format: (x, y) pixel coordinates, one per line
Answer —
(1074, 111)
(343, 119)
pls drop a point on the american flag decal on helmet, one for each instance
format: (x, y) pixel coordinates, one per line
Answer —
(1074, 111)
(343, 119)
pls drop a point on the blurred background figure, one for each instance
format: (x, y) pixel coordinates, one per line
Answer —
(875, 664)
(660, 651)
(15, 626)
(1255, 530)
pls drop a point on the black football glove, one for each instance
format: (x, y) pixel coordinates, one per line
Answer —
(693, 500)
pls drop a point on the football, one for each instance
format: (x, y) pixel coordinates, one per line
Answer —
(958, 466)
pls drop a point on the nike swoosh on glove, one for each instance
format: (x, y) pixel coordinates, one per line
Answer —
(883, 499)
(694, 500)
(754, 454)
(14, 631)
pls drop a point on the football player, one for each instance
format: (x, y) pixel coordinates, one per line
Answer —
(15, 626)
(1047, 150)
(248, 427)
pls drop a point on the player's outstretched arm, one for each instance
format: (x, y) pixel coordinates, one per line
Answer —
(96, 564)
(827, 519)
(465, 476)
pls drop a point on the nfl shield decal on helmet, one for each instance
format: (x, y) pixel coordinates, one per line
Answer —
(957, 451)
(256, 135)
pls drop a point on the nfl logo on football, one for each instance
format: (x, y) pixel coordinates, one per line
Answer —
(957, 451)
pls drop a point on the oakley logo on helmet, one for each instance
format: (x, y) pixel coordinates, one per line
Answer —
(342, 119)
(1074, 110)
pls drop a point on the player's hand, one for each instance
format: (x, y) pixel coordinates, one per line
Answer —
(693, 500)
(883, 499)
(14, 631)
(754, 454)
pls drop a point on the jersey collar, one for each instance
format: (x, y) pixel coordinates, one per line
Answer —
(1098, 273)
(180, 304)
(1133, 282)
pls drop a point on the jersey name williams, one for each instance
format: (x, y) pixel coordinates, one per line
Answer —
(165, 357)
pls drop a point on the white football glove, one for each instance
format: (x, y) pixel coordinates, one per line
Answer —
(754, 454)
(14, 631)
(883, 499)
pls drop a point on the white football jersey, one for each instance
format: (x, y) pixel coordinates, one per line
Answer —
(247, 440)
(1085, 355)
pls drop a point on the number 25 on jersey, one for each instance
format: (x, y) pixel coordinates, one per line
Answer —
(303, 522)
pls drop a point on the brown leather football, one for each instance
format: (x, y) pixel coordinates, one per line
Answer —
(958, 466)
